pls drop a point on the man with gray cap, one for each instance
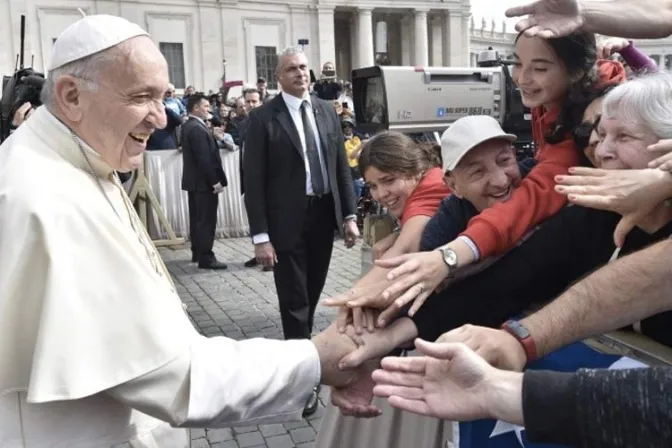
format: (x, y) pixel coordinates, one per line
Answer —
(96, 347)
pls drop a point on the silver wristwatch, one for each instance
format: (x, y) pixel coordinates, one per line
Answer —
(449, 257)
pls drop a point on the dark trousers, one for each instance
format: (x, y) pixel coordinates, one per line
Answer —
(202, 224)
(301, 271)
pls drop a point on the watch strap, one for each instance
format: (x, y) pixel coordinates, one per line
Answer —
(522, 335)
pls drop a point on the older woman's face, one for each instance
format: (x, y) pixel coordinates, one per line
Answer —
(622, 144)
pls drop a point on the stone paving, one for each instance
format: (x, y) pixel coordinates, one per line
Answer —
(241, 303)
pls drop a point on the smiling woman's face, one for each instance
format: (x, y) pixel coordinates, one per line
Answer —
(541, 77)
(391, 190)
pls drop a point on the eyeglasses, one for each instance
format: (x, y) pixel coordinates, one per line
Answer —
(581, 133)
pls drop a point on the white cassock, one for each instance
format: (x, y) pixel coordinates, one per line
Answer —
(95, 347)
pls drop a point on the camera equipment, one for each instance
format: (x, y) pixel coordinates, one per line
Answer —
(24, 86)
(432, 98)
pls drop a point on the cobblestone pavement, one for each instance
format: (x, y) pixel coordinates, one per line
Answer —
(241, 303)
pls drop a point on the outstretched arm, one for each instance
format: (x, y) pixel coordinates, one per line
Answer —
(622, 292)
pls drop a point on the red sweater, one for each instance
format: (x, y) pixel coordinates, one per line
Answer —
(427, 196)
(498, 228)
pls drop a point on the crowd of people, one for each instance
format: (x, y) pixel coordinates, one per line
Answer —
(100, 351)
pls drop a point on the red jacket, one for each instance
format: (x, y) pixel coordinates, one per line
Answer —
(498, 228)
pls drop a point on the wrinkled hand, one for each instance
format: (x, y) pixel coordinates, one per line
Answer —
(664, 162)
(548, 18)
(497, 347)
(351, 232)
(265, 254)
(382, 246)
(416, 277)
(451, 382)
(634, 194)
(355, 399)
(610, 46)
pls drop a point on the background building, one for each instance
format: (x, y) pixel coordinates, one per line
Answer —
(197, 36)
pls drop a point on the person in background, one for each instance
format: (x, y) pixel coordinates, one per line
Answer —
(346, 96)
(353, 148)
(262, 88)
(298, 191)
(190, 90)
(328, 88)
(214, 100)
(237, 119)
(166, 138)
(174, 103)
(251, 100)
(342, 110)
(224, 140)
(203, 179)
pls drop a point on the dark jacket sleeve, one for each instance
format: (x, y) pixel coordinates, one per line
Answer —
(568, 246)
(591, 408)
(346, 188)
(255, 166)
(447, 223)
(173, 120)
(200, 146)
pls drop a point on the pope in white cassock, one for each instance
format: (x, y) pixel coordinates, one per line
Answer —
(96, 348)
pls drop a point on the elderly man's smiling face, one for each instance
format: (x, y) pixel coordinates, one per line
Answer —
(127, 107)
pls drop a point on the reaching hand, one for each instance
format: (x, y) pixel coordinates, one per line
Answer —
(610, 46)
(633, 194)
(355, 399)
(497, 347)
(451, 382)
(371, 346)
(548, 18)
(664, 162)
(353, 301)
(417, 275)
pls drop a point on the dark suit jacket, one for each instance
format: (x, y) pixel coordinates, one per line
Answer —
(201, 161)
(275, 173)
(242, 129)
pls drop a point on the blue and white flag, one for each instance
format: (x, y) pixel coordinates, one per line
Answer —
(499, 434)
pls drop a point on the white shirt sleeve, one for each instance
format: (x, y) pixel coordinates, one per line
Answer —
(260, 238)
(222, 382)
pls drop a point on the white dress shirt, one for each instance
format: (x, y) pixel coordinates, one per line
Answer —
(294, 106)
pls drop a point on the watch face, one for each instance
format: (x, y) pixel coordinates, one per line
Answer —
(450, 257)
(518, 329)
